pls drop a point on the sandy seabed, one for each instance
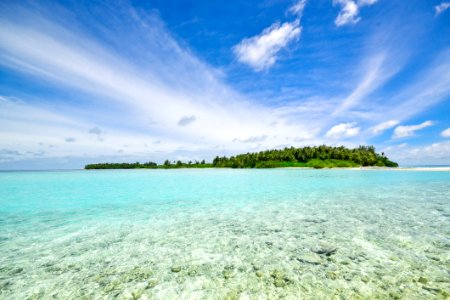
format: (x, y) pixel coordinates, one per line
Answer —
(351, 244)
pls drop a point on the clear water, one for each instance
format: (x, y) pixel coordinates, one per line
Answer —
(225, 234)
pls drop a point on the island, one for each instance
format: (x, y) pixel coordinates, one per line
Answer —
(317, 157)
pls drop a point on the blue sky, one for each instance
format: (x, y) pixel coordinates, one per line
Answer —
(85, 81)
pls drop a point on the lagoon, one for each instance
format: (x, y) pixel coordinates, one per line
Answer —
(225, 234)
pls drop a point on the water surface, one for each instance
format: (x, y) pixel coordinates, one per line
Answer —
(220, 233)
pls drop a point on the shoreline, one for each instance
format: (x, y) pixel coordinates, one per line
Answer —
(436, 169)
(432, 169)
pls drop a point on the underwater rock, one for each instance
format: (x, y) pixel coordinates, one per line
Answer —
(227, 274)
(422, 280)
(277, 274)
(259, 274)
(232, 295)
(331, 259)
(228, 271)
(151, 283)
(431, 289)
(279, 282)
(315, 219)
(435, 258)
(279, 278)
(136, 294)
(395, 295)
(4, 285)
(112, 286)
(310, 258)
(176, 269)
(16, 271)
(324, 248)
(332, 275)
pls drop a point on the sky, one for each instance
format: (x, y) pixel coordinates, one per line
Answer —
(109, 81)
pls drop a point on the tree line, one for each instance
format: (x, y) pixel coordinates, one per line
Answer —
(315, 157)
(150, 165)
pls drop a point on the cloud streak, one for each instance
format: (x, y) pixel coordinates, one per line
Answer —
(438, 9)
(446, 133)
(160, 100)
(297, 8)
(124, 87)
(380, 128)
(406, 131)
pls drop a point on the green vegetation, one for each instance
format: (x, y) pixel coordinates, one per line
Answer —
(313, 157)
(150, 165)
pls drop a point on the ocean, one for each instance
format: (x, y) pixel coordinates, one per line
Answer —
(225, 234)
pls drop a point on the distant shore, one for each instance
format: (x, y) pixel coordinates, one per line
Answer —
(317, 157)
(437, 169)
(432, 169)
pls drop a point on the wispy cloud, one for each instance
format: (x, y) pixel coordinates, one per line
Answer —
(446, 133)
(441, 8)
(374, 76)
(260, 52)
(349, 13)
(155, 98)
(380, 128)
(137, 91)
(343, 130)
(429, 88)
(406, 131)
(297, 8)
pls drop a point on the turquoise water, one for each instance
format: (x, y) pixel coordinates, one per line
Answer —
(225, 234)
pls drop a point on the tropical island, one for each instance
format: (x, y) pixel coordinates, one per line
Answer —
(309, 157)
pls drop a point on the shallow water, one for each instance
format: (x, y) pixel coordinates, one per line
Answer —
(225, 234)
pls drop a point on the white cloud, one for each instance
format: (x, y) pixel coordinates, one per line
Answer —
(441, 7)
(298, 7)
(260, 52)
(384, 126)
(406, 131)
(343, 130)
(151, 90)
(446, 133)
(435, 153)
(349, 13)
